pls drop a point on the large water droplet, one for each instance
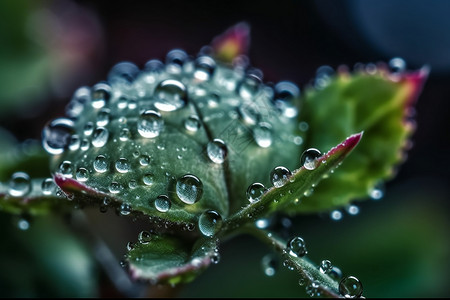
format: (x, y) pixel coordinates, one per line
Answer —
(255, 191)
(192, 123)
(162, 203)
(189, 189)
(78, 101)
(100, 164)
(249, 86)
(100, 94)
(284, 94)
(148, 179)
(19, 184)
(397, 65)
(123, 72)
(48, 186)
(325, 266)
(115, 187)
(100, 137)
(144, 160)
(56, 135)
(82, 174)
(103, 117)
(150, 124)
(217, 151)
(279, 176)
(309, 158)
(296, 247)
(170, 95)
(350, 287)
(263, 134)
(65, 168)
(209, 222)
(270, 264)
(125, 209)
(122, 165)
(144, 237)
(175, 60)
(204, 68)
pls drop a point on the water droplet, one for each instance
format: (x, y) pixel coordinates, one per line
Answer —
(249, 113)
(115, 187)
(124, 134)
(175, 60)
(144, 160)
(144, 237)
(123, 72)
(377, 193)
(19, 184)
(301, 281)
(189, 189)
(132, 184)
(255, 191)
(150, 124)
(56, 135)
(78, 101)
(162, 203)
(284, 94)
(279, 176)
(132, 104)
(192, 123)
(82, 174)
(130, 246)
(262, 223)
(270, 264)
(249, 86)
(74, 143)
(209, 222)
(309, 158)
(217, 151)
(352, 210)
(312, 289)
(88, 128)
(397, 65)
(296, 247)
(103, 117)
(263, 134)
(215, 258)
(170, 95)
(336, 215)
(48, 186)
(148, 179)
(325, 266)
(335, 273)
(303, 126)
(350, 287)
(85, 144)
(66, 168)
(125, 209)
(100, 137)
(23, 222)
(100, 164)
(323, 77)
(122, 103)
(100, 94)
(204, 68)
(122, 165)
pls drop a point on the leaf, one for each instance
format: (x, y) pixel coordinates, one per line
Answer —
(291, 194)
(166, 259)
(377, 104)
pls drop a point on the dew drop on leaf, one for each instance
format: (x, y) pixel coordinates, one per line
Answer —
(88, 128)
(325, 266)
(82, 174)
(19, 184)
(270, 264)
(48, 186)
(148, 179)
(249, 86)
(309, 158)
(144, 237)
(312, 289)
(170, 95)
(263, 134)
(100, 164)
(255, 191)
(350, 287)
(124, 134)
(122, 165)
(144, 160)
(100, 94)
(217, 151)
(336, 215)
(209, 222)
(125, 209)
(75, 142)
(192, 123)
(296, 247)
(189, 189)
(162, 203)
(100, 137)
(56, 135)
(103, 117)
(204, 68)
(150, 124)
(115, 187)
(279, 176)
(66, 168)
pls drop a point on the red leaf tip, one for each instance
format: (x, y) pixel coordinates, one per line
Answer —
(233, 42)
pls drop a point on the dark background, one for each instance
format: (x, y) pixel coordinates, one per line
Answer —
(289, 41)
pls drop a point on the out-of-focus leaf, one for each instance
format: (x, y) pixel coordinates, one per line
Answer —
(44, 259)
(378, 104)
(165, 259)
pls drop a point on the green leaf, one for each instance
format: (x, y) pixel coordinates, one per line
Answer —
(166, 259)
(292, 193)
(378, 104)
